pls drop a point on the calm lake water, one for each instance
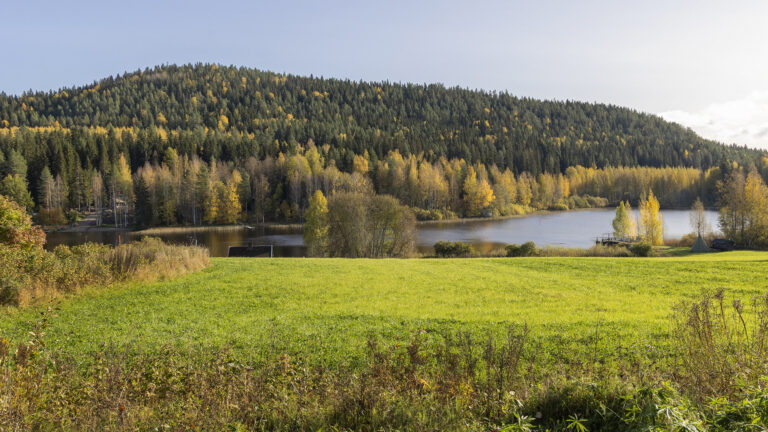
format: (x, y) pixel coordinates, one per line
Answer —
(570, 229)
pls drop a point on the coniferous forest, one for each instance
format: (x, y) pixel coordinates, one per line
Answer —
(207, 144)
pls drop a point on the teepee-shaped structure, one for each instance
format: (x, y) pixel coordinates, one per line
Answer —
(700, 245)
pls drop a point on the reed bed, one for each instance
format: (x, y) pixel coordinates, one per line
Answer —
(30, 275)
(188, 229)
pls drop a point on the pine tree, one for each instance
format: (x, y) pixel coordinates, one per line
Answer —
(16, 164)
(46, 186)
(15, 188)
(143, 205)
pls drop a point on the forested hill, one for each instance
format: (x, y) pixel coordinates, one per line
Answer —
(230, 113)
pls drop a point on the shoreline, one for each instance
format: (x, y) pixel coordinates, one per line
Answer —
(220, 228)
(501, 218)
(298, 226)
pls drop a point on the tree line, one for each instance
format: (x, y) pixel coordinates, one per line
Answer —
(176, 189)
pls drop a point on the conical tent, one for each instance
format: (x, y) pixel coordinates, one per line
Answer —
(700, 245)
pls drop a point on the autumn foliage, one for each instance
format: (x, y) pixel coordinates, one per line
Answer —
(16, 228)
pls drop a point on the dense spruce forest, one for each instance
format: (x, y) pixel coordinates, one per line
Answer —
(210, 144)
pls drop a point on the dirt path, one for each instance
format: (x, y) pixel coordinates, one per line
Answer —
(88, 224)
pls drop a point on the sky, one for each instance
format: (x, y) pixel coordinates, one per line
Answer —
(700, 63)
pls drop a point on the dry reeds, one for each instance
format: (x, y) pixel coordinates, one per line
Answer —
(723, 346)
(188, 229)
(31, 275)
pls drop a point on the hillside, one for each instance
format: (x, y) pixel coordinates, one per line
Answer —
(217, 145)
(279, 112)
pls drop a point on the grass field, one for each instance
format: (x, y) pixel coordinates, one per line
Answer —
(325, 309)
(420, 344)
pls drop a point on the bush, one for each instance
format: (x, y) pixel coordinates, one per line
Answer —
(526, 249)
(641, 249)
(73, 216)
(16, 228)
(54, 216)
(559, 206)
(596, 202)
(447, 249)
(433, 215)
(577, 202)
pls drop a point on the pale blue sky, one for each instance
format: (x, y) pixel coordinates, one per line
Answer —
(693, 61)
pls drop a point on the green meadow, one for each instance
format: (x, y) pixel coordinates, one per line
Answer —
(324, 310)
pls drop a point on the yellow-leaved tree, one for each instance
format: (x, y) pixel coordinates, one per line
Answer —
(213, 206)
(651, 227)
(316, 225)
(477, 194)
(230, 203)
(624, 223)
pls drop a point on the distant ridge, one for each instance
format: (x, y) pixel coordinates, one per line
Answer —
(280, 112)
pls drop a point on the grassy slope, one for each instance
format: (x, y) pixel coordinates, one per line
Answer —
(327, 308)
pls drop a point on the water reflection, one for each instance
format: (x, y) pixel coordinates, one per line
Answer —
(569, 229)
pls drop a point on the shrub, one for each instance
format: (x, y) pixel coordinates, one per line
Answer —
(16, 228)
(641, 249)
(560, 206)
(446, 249)
(53, 216)
(433, 214)
(577, 202)
(526, 249)
(73, 216)
(596, 202)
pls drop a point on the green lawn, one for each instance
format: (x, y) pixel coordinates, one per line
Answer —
(325, 309)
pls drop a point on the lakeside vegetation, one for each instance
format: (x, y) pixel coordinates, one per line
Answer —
(31, 275)
(394, 344)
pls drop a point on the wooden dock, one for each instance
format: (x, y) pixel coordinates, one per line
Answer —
(615, 241)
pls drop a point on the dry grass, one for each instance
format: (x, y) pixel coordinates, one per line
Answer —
(151, 259)
(33, 276)
(722, 345)
(688, 240)
(188, 229)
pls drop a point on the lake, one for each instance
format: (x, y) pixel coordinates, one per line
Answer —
(570, 229)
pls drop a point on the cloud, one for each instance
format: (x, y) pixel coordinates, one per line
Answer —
(742, 121)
